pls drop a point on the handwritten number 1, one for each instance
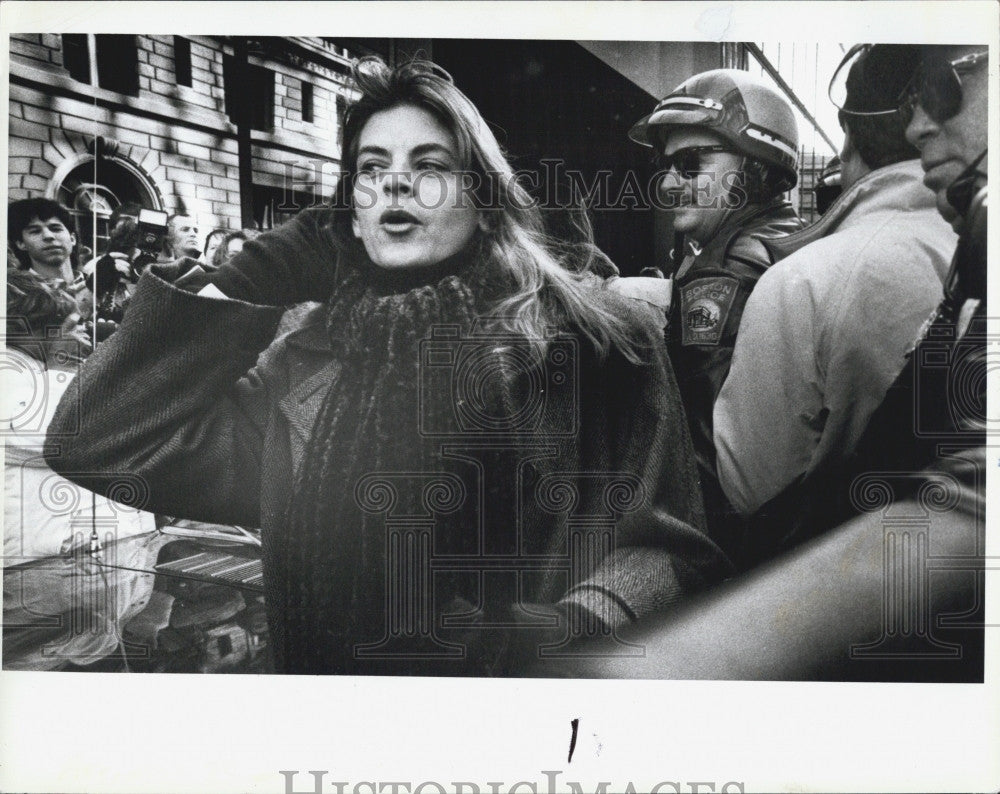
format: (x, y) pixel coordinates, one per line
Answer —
(572, 741)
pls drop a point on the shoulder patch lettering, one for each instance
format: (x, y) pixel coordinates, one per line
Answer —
(705, 304)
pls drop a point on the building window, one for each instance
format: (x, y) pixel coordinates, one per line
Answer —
(95, 189)
(182, 60)
(257, 90)
(272, 206)
(341, 117)
(106, 60)
(307, 102)
(76, 56)
(117, 63)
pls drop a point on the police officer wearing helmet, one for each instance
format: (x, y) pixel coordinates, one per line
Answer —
(726, 144)
(863, 608)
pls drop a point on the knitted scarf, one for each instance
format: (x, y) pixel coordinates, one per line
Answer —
(333, 571)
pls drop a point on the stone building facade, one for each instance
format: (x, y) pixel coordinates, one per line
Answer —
(97, 121)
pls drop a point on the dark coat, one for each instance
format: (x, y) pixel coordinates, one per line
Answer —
(710, 291)
(183, 396)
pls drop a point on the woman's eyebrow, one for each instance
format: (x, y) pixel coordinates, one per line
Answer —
(416, 151)
(373, 150)
(428, 148)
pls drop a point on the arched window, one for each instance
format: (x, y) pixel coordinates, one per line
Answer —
(95, 188)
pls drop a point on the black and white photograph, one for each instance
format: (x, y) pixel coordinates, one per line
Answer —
(499, 397)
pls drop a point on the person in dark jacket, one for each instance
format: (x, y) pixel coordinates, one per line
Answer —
(468, 455)
(895, 590)
(727, 145)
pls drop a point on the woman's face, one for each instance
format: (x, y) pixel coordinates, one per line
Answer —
(233, 247)
(699, 200)
(213, 242)
(412, 206)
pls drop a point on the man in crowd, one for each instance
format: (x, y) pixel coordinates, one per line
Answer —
(828, 187)
(815, 612)
(827, 329)
(212, 241)
(726, 144)
(38, 229)
(181, 238)
(935, 412)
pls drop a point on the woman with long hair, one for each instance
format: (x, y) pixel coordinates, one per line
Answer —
(471, 454)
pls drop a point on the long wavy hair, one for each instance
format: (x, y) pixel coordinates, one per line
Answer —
(551, 277)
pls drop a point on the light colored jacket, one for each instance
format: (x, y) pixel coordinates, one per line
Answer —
(826, 332)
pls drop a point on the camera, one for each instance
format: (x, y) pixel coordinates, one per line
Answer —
(152, 231)
(495, 385)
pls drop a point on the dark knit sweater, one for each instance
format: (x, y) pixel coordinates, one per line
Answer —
(174, 397)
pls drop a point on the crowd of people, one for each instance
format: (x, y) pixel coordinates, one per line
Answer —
(476, 450)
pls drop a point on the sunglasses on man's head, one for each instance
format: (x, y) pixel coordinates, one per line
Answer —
(687, 162)
(937, 86)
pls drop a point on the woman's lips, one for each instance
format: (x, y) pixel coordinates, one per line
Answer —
(398, 221)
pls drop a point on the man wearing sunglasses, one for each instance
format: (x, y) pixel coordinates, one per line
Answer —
(826, 331)
(725, 146)
(891, 593)
(935, 413)
(947, 102)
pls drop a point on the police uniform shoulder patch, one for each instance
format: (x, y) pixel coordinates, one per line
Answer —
(705, 305)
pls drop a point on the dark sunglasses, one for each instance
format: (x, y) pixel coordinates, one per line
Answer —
(937, 86)
(687, 162)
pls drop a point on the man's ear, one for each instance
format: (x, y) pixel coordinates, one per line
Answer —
(21, 246)
(355, 226)
(485, 223)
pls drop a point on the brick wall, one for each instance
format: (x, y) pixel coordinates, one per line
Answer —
(44, 49)
(177, 137)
